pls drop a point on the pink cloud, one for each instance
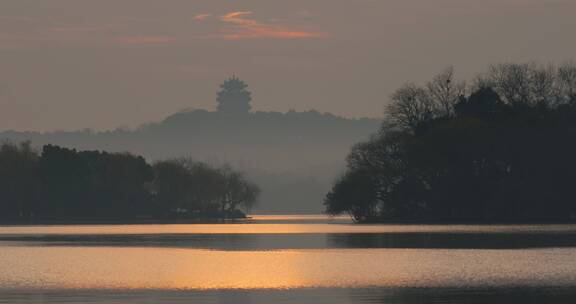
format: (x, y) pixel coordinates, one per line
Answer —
(243, 27)
(202, 17)
(145, 40)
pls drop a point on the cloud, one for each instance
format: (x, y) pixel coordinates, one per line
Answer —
(27, 32)
(242, 27)
(135, 40)
(202, 17)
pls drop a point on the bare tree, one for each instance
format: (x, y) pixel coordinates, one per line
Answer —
(567, 82)
(511, 81)
(238, 192)
(544, 89)
(445, 91)
(411, 105)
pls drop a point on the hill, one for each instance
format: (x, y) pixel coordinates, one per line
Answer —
(293, 156)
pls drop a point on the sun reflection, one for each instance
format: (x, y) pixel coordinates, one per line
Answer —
(186, 269)
(153, 268)
(273, 225)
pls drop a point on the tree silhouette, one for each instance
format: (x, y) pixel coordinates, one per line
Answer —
(501, 153)
(62, 184)
(188, 188)
(234, 98)
(484, 103)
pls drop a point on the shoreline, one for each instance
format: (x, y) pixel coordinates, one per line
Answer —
(125, 222)
(247, 219)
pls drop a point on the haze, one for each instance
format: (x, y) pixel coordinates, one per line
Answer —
(72, 64)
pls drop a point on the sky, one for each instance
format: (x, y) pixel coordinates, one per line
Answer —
(102, 64)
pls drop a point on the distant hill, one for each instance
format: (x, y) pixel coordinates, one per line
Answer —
(293, 156)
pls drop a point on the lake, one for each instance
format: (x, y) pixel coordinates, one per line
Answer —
(288, 259)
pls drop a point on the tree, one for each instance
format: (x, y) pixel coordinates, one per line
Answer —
(445, 91)
(66, 184)
(171, 186)
(512, 82)
(524, 85)
(188, 188)
(92, 184)
(502, 153)
(234, 98)
(411, 106)
(353, 193)
(567, 82)
(19, 182)
(238, 192)
(484, 103)
(368, 189)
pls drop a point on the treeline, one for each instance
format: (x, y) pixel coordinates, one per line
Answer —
(61, 184)
(501, 149)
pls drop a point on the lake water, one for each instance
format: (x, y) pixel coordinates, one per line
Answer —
(288, 259)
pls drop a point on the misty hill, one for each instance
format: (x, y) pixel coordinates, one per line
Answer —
(292, 156)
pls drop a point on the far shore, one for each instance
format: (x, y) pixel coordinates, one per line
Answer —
(125, 222)
(475, 223)
(247, 219)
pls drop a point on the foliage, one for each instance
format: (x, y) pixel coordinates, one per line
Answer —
(187, 188)
(64, 184)
(503, 153)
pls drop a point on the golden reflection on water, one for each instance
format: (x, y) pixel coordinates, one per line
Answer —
(161, 268)
(24, 264)
(273, 228)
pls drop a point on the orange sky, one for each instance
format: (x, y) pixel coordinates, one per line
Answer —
(69, 64)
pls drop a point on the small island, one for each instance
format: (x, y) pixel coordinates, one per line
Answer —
(62, 185)
(499, 150)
